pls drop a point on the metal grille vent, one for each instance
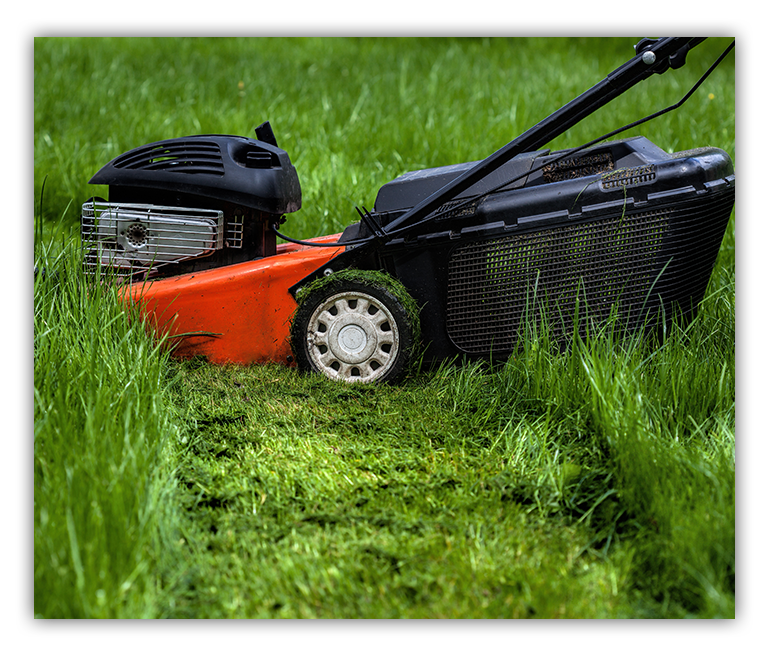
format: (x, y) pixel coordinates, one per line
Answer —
(190, 157)
(235, 231)
(583, 166)
(629, 177)
(137, 237)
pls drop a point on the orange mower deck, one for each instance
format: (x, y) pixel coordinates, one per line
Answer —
(239, 313)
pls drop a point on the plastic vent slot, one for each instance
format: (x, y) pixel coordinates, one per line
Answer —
(574, 168)
(629, 177)
(454, 209)
(189, 157)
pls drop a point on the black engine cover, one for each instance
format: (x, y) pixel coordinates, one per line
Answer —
(235, 169)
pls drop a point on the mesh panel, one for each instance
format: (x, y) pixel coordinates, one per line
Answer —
(614, 262)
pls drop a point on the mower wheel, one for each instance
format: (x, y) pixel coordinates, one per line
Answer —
(356, 330)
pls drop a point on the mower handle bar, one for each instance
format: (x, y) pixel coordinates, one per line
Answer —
(653, 56)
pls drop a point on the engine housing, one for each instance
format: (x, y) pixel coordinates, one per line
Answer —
(187, 204)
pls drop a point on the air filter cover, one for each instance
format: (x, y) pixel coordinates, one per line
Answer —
(136, 236)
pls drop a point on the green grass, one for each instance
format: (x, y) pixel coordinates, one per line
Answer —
(103, 477)
(599, 482)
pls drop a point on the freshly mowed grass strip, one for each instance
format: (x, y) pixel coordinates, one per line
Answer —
(596, 482)
(559, 485)
(308, 499)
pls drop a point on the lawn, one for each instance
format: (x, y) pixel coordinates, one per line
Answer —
(598, 482)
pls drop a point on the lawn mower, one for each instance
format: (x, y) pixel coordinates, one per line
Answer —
(452, 262)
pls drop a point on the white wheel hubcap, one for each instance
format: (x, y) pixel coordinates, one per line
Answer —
(352, 336)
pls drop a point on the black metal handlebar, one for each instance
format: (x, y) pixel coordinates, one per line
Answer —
(653, 56)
